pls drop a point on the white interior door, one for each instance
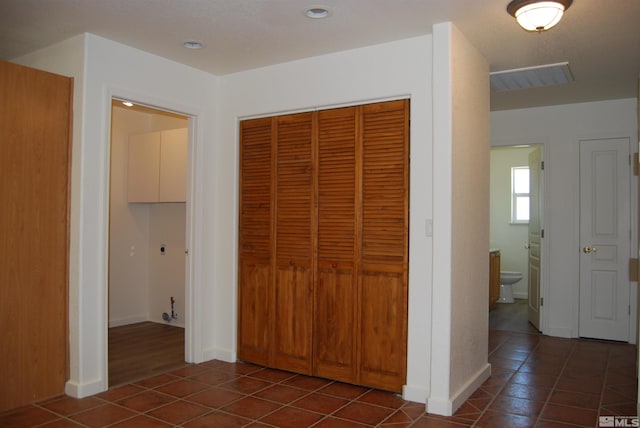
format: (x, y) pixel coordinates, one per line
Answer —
(535, 235)
(605, 237)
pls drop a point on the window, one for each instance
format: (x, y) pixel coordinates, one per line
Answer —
(520, 194)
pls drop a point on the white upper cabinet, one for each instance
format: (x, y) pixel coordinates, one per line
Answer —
(158, 166)
(173, 166)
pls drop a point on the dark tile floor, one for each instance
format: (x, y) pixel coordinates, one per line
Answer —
(511, 317)
(536, 381)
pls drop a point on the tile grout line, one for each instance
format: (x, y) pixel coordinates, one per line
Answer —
(604, 386)
(493, 399)
(553, 388)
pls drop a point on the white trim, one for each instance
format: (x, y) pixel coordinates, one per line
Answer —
(447, 406)
(470, 387)
(352, 103)
(127, 320)
(226, 355)
(416, 394)
(76, 390)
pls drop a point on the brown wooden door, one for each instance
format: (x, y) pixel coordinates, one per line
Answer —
(335, 301)
(294, 244)
(255, 240)
(35, 126)
(384, 242)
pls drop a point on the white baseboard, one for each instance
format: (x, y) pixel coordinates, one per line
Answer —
(225, 355)
(517, 295)
(78, 390)
(415, 394)
(127, 320)
(174, 323)
(471, 386)
(447, 406)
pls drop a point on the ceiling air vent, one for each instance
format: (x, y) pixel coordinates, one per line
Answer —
(531, 77)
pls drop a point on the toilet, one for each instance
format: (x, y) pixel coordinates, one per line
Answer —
(507, 279)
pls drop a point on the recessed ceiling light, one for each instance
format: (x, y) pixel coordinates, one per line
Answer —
(192, 45)
(128, 103)
(317, 12)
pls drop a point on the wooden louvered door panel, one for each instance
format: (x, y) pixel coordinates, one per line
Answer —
(295, 241)
(335, 325)
(323, 243)
(255, 240)
(383, 263)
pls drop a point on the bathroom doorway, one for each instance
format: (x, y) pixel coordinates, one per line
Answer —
(147, 241)
(510, 215)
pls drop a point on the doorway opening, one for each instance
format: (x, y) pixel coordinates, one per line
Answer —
(515, 223)
(147, 242)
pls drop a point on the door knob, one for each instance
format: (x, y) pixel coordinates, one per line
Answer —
(588, 250)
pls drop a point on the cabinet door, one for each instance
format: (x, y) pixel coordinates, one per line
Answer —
(494, 278)
(335, 325)
(144, 167)
(295, 239)
(384, 243)
(173, 165)
(255, 240)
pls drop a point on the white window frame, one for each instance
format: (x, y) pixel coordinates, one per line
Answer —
(515, 195)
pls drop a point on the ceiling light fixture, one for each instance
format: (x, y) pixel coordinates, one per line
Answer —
(317, 12)
(191, 44)
(538, 15)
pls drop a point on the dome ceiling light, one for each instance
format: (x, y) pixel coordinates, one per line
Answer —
(538, 15)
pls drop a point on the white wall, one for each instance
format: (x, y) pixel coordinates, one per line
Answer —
(470, 235)
(167, 272)
(508, 237)
(461, 216)
(393, 70)
(559, 129)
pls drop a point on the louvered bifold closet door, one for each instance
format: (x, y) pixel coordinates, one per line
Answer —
(294, 243)
(383, 265)
(255, 240)
(335, 326)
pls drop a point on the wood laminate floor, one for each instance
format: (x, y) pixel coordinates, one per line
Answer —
(137, 351)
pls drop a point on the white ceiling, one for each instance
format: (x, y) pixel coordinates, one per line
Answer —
(599, 38)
